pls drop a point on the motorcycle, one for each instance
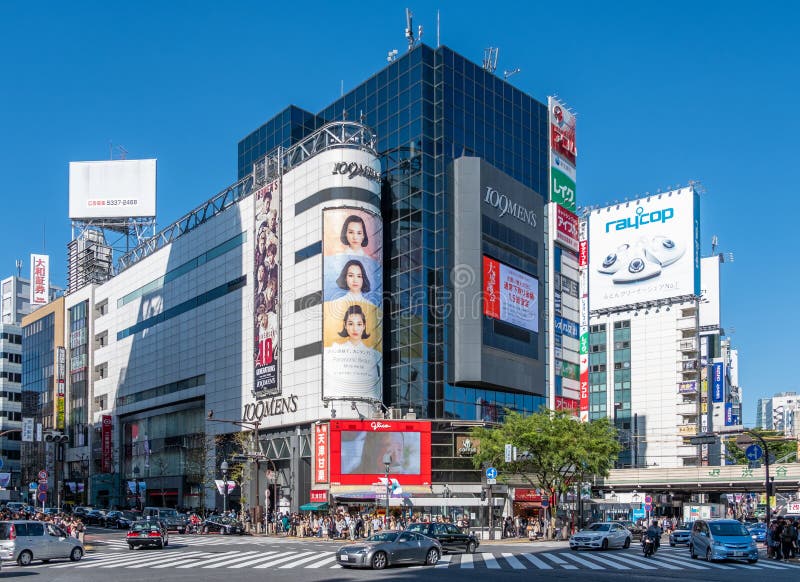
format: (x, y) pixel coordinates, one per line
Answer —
(648, 546)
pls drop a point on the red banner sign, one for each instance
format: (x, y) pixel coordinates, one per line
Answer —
(491, 288)
(108, 451)
(318, 496)
(564, 403)
(321, 445)
(527, 495)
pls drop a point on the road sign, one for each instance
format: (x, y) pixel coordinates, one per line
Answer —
(42, 497)
(648, 507)
(43, 487)
(32, 486)
(491, 481)
(491, 473)
(545, 503)
(42, 474)
(703, 440)
(754, 452)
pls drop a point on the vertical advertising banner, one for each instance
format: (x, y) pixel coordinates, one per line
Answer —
(40, 279)
(352, 327)
(266, 300)
(565, 227)
(510, 295)
(107, 450)
(583, 292)
(321, 445)
(718, 382)
(563, 155)
(61, 387)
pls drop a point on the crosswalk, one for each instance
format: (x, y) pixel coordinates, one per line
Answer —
(551, 559)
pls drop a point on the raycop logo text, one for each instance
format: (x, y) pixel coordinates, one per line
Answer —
(642, 218)
(353, 169)
(506, 206)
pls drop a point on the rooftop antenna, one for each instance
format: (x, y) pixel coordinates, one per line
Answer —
(438, 23)
(490, 58)
(410, 29)
(392, 56)
(19, 268)
(341, 88)
(714, 243)
(511, 73)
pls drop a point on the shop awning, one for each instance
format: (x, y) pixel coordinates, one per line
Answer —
(315, 506)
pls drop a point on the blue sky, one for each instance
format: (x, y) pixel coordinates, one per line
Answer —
(665, 93)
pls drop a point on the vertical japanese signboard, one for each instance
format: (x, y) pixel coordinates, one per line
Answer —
(583, 264)
(321, 444)
(563, 154)
(61, 387)
(40, 279)
(107, 450)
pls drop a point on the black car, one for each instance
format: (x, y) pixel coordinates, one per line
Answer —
(450, 536)
(118, 519)
(146, 534)
(222, 525)
(94, 517)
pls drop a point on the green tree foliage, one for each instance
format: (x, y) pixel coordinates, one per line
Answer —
(779, 446)
(552, 448)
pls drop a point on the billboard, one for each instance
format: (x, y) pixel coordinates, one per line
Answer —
(357, 450)
(40, 279)
(266, 293)
(510, 295)
(718, 382)
(61, 390)
(112, 189)
(352, 288)
(644, 250)
(321, 448)
(563, 154)
(564, 227)
(107, 458)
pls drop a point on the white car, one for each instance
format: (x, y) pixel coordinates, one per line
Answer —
(601, 536)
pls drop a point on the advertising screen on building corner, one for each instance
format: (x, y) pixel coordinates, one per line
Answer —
(357, 450)
(352, 288)
(645, 250)
(510, 295)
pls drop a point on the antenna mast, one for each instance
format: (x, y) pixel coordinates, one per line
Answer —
(412, 41)
(490, 58)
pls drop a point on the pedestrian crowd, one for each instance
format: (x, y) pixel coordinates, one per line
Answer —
(72, 526)
(782, 539)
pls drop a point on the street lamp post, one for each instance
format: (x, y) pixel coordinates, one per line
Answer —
(446, 495)
(387, 462)
(136, 485)
(224, 468)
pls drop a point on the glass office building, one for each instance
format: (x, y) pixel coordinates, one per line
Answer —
(428, 108)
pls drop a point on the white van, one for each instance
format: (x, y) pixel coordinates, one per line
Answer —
(25, 541)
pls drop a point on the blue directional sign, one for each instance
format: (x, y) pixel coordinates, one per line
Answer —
(754, 453)
(491, 473)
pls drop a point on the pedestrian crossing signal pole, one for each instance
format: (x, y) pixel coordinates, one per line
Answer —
(387, 462)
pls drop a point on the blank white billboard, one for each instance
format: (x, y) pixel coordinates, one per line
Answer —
(709, 288)
(644, 250)
(112, 189)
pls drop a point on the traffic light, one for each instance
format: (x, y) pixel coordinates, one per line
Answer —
(483, 494)
(56, 437)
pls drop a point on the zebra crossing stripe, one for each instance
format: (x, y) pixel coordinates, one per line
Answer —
(217, 558)
(322, 562)
(466, 561)
(282, 560)
(583, 562)
(634, 562)
(768, 565)
(490, 561)
(235, 559)
(172, 559)
(542, 565)
(608, 562)
(302, 561)
(263, 557)
(187, 557)
(512, 561)
(555, 559)
(443, 563)
(684, 563)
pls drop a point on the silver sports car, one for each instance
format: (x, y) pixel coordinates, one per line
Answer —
(390, 548)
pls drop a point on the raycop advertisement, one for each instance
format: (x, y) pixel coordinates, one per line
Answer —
(352, 315)
(644, 250)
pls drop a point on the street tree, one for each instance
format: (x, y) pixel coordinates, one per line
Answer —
(555, 450)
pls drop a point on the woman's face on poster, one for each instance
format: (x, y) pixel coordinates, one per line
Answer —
(355, 234)
(355, 279)
(354, 325)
